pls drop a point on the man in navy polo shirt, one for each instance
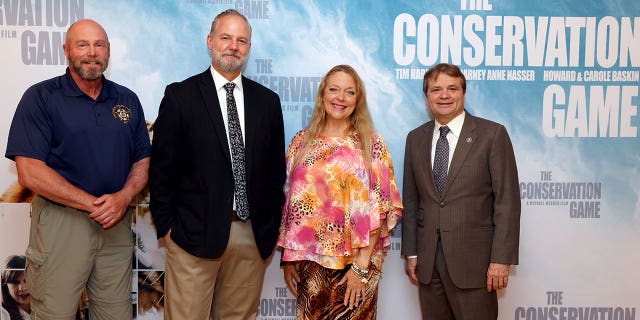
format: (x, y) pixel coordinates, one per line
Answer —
(80, 142)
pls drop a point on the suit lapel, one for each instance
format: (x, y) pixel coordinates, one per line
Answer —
(465, 142)
(212, 105)
(251, 108)
(425, 144)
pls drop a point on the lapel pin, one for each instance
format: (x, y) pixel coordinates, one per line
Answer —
(469, 139)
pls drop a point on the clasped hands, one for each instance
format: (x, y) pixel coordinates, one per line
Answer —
(109, 209)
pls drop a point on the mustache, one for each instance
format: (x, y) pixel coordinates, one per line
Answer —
(232, 53)
(96, 61)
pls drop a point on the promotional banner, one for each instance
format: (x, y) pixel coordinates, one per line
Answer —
(562, 76)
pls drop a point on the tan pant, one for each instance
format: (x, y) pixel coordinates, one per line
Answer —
(226, 288)
(68, 251)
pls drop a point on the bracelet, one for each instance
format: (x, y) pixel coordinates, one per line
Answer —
(359, 271)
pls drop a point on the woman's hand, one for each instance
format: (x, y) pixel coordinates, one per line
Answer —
(291, 277)
(354, 293)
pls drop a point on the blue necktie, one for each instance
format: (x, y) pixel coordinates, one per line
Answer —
(441, 161)
(237, 155)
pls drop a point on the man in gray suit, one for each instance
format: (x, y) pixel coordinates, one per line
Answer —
(461, 223)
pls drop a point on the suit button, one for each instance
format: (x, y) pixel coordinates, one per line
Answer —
(441, 204)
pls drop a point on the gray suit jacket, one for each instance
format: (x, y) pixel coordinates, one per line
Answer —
(478, 213)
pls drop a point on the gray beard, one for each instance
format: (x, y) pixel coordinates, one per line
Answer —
(90, 73)
(229, 67)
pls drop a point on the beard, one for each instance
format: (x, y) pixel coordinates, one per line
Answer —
(229, 61)
(89, 71)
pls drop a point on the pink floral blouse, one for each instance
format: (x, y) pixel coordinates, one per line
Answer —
(333, 203)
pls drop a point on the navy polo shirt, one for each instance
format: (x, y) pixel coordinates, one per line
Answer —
(91, 143)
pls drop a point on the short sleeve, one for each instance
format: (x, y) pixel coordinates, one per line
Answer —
(384, 192)
(384, 189)
(294, 147)
(31, 132)
(142, 140)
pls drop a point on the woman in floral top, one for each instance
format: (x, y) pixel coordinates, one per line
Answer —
(342, 201)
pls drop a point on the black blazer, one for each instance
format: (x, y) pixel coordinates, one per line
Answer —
(190, 176)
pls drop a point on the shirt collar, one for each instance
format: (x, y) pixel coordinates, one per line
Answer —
(455, 125)
(220, 81)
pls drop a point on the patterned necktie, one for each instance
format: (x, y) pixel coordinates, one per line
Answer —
(237, 155)
(441, 161)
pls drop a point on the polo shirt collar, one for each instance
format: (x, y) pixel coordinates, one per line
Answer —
(71, 89)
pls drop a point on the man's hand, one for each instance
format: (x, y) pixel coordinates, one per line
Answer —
(497, 276)
(110, 209)
(412, 264)
(167, 237)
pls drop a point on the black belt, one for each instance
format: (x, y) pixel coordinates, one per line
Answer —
(55, 203)
(234, 217)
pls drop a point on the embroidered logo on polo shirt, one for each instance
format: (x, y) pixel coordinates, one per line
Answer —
(121, 113)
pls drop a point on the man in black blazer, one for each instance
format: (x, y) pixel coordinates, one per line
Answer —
(216, 257)
(461, 225)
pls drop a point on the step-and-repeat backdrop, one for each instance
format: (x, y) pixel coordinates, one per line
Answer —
(563, 76)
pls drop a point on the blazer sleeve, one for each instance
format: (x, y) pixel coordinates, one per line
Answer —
(164, 169)
(410, 201)
(505, 184)
(277, 166)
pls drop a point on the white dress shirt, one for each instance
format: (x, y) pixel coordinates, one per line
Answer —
(455, 127)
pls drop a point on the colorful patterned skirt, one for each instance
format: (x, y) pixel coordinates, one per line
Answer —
(320, 297)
